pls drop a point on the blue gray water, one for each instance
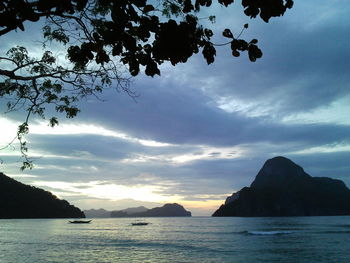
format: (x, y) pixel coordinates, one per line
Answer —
(196, 239)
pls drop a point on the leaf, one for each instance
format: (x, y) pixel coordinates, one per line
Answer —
(212, 19)
(117, 49)
(27, 165)
(289, 4)
(226, 2)
(102, 57)
(139, 3)
(208, 33)
(152, 69)
(53, 122)
(187, 6)
(235, 53)
(134, 67)
(209, 53)
(23, 129)
(148, 8)
(239, 44)
(251, 11)
(254, 53)
(227, 33)
(81, 4)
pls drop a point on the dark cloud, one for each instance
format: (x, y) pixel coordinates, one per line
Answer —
(304, 64)
(80, 145)
(326, 164)
(186, 117)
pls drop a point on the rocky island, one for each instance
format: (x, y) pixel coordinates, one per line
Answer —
(167, 210)
(18, 200)
(282, 188)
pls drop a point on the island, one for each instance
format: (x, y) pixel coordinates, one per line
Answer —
(102, 213)
(19, 200)
(97, 213)
(283, 188)
(167, 210)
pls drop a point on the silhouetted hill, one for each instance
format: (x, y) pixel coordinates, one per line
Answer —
(166, 210)
(101, 213)
(18, 200)
(128, 211)
(282, 188)
(133, 210)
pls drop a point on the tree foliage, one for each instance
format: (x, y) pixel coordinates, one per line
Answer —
(99, 35)
(18, 200)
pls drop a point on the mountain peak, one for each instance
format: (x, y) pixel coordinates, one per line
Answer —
(282, 188)
(278, 172)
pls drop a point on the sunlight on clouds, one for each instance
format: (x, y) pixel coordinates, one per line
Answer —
(248, 109)
(22, 175)
(151, 143)
(8, 131)
(200, 153)
(9, 151)
(142, 158)
(40, 154)
(147, 177)
(337, 113)
(90, 168)
(325, 149)
(210, 153)
(9, 146)
(69, 129)
(101, 193)
(104, 190)
(51, 167)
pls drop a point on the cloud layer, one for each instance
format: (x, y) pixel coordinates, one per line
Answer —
(198, 132)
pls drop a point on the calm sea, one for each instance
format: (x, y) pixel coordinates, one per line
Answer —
(196, 239)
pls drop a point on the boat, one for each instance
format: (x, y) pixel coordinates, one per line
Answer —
(140, 224)
(80, 222)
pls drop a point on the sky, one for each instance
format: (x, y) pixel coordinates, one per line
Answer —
(198, 133)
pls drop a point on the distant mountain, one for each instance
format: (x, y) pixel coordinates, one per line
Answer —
(134, 210)
(282, 188)
(18, 200)
(170, 210)
(97, 213)
(117, 213)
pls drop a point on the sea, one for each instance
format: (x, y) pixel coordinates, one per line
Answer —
(191, 239)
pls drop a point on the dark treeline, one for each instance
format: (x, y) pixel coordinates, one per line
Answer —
(18, 200)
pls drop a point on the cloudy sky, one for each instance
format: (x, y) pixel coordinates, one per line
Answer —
(198, 133)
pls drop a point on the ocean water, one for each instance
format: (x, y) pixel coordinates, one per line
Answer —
(196, 239)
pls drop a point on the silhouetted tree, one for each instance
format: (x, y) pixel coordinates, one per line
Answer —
(98, 36)
(19, 200)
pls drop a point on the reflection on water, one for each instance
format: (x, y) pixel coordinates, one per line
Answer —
(197, 239)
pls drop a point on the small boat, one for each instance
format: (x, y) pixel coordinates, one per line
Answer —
(140, 224)
(80, 222)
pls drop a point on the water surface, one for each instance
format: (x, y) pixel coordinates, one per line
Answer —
(196, 239)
